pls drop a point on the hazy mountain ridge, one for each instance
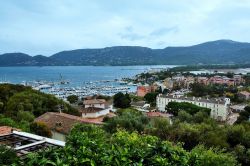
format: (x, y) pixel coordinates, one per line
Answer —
(214, 52)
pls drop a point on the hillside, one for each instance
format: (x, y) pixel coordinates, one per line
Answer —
(214, 52)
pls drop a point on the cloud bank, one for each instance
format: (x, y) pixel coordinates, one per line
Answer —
(46, 27)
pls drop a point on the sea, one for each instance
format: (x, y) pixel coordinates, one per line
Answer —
(77, 76)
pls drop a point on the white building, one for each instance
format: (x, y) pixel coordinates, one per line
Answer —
(93, 112)
(95, 108)
(97, 103)
(219, 107)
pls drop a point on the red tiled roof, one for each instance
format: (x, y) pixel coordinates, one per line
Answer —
(62, 122)
(94, 101)
(154, 114)
(157, 114)
(6, 130)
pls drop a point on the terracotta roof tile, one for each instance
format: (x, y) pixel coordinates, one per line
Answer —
(6, 130)
(62, 122)
(157, 114)
(94, 101)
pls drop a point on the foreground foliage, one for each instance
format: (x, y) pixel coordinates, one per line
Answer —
(91, 145)
(19, 105)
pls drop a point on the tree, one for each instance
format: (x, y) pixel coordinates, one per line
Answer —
(25, 116)
(41, 129)
(90, 145)
(235, 135)
(121, 100)
(129, 119)
(175, 107)
(1, 106)
(72, 99)
(242, 154)
(211, 157)
(244, 115)
(151, 98)
(165, 91)
(183, 116)
(159, 127)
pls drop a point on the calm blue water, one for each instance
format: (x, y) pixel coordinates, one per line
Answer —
(77, 75)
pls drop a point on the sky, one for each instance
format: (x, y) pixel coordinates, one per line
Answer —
(45, 27)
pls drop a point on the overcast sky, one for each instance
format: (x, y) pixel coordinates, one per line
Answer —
(48, 26)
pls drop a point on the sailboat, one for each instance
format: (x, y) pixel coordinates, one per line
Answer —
(62, 81)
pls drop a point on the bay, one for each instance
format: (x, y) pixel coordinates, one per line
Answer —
(76, 75)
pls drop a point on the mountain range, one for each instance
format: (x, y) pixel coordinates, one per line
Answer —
(213, 52)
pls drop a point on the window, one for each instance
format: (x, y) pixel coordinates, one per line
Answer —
(58, 124)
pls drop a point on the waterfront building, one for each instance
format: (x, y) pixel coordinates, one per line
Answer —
(143, 90)
(219, 107)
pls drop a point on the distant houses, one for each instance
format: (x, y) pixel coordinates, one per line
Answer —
(143, 90)
(244, 95)
(222, 80)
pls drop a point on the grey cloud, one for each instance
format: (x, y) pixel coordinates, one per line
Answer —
(164, 31)
(129, 34)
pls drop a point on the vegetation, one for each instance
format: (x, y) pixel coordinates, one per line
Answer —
(175, 107)
(133, 139)
(151, 98)
(19, 105)
(122, 100)
(191, 137)
(91, 145)
(72, 99)
(7, 156)
(201, 90)
(205, 53)
(129, 119)
(244, 115)
(41, 129)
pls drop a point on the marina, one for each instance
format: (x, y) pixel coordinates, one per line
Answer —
(63, 81)
(62, 91)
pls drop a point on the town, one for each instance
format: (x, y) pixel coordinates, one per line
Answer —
(162, 94)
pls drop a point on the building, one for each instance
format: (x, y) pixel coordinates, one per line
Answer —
(188, 81)
(23, 143)
(168, 83)
(95, 112)
(219, 108)
(95, 108)
(238, 79)
(244, 95)
(97, 103)
(60, 124)
(237, 108)
(222, 80)
(143, 90)
(141, 106)
(202, 80)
